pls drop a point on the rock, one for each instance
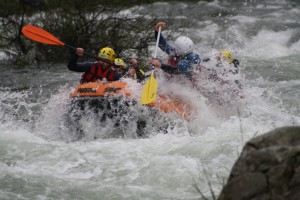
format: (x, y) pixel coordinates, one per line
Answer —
(267, 169)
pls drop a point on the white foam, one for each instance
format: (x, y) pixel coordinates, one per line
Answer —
(2, 56)
(269, 44)
(245, 19)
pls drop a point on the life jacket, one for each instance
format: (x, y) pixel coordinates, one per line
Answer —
(135, 76)
(173, 60)
(96, 73)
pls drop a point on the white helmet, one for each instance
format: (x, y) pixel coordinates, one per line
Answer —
(184, 45)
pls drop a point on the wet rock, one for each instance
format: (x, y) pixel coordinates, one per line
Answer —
(267, 169)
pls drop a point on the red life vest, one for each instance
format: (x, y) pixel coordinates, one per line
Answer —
(173, 60)
(96, 73)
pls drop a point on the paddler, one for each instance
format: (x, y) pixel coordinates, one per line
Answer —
(121, 66)
(134, 70)
(98, 70)
(181, 55)
(219, 72)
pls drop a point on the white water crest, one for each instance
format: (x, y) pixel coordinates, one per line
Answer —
(39, 158)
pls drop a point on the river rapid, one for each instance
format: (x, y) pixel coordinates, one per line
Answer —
(38, 159)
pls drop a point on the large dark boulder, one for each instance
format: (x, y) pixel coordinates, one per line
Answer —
(267, 169)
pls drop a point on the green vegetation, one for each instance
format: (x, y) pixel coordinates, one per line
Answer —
(80, 23)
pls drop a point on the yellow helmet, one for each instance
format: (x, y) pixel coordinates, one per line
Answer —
(120, 62)
(226, 55)
(107, 53)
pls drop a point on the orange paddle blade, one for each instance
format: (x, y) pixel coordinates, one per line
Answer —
(40, 35)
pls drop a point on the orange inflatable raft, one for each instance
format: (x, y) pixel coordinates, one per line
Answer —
(164, 103)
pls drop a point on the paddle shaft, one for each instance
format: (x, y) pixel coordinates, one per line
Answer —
(150, 88)
(92, 56)
(156, 46)
(157, 41)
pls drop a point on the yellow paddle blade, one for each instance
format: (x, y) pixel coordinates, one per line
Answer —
(149, 91)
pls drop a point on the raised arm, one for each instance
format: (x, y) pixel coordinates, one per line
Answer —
(163, 45)
(78, 67)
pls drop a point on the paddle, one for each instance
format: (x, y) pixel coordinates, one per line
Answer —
(150, 88)
(42, 36)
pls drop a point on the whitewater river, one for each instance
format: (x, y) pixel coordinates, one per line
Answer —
(38, 161)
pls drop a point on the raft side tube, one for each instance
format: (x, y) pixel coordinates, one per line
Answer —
(96, 89)
(164, 103)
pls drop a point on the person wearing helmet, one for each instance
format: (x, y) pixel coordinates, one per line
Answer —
(121, 66)
(226, 56)
(99, 70)
(134, 71)
(225, 66)
(181, 55)
(119, 62)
